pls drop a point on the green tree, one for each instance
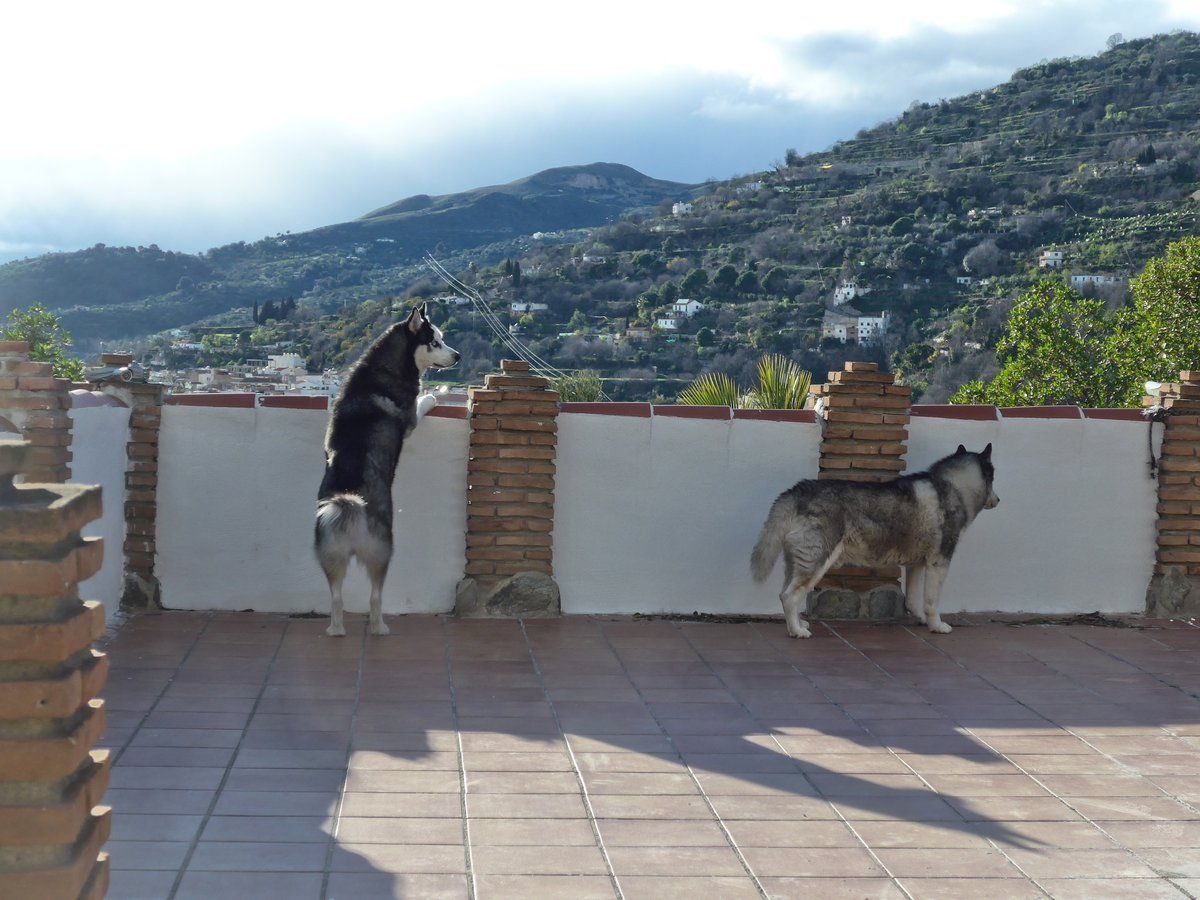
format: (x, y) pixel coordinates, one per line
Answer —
(775, 281)
(1058, 348)
(47, 339)
(578, 321)
(669, 292)
(583, 386)
(1160, 333)
(725, 277)
(747, 283)
(705, 337)
(694, 281)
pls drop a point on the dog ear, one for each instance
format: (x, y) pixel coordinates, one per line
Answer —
(424, 309)
(415, 319)
(960, 451)
(987, 451)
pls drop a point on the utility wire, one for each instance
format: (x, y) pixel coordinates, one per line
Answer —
(515, 344)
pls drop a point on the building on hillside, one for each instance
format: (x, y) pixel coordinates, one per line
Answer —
(1050, 259)
(285, 362)
(683, 208)
(669, 322)
(965, 280)
(872, 327)
(849, 326)
(520, 308)
(847, 291)
(1079, 282)
(638, 333)
(686, 307)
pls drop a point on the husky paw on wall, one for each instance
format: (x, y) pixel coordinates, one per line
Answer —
(378, 407)
(914, 521)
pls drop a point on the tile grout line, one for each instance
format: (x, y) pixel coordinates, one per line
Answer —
(162, 693)
(903, 762)
(583, 791)
(195, 841)
(331, 844)
(691, 772)
(1032, 776)
(472, 889)
(841, 817)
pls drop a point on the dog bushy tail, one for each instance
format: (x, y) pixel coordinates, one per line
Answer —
(339, 514)
(770, 542)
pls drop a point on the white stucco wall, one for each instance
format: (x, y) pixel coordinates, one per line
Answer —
(660, 514)
(236, 500)
(98, 438)
(1075, 528)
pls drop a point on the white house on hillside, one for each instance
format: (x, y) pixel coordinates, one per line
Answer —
(686, 307)
(668, 322)
(1050, 259)
(849, 326)
(528, 307)
(847, 291)
(1082, 281)
(682, 208)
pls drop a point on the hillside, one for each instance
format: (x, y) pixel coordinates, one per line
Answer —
(1094, 158)
(109, 292)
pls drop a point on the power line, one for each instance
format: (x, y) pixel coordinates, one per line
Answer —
(515, 344)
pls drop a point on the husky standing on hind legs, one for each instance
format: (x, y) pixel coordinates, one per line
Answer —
(914, 521)
(377, 408)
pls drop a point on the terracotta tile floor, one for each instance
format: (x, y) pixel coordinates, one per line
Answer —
(582, 757)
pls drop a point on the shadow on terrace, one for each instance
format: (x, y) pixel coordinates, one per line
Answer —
(616, 757)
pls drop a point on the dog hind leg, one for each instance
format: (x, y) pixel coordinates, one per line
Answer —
(376, 564)
(335, 565)
(935, 574)
(807, 563)
(914, 590)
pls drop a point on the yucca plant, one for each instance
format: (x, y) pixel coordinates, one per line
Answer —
(713, 389)
(782, 384)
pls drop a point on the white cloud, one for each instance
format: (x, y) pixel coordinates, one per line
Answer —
(183, 123)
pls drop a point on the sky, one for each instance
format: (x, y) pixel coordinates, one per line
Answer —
(192, 125)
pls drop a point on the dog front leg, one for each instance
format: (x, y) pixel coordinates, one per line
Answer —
(935, 574)
(425, 403)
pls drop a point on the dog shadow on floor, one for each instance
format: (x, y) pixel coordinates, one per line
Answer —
(545, 721)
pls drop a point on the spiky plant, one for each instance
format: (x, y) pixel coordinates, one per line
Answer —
(583, 386)
(713, 389)
(782, 384)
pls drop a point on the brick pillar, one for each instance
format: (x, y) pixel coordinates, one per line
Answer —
(51, 829)
(145, 402)
(37, 403)
(510, 497)
(864, 438)
(1175, 586)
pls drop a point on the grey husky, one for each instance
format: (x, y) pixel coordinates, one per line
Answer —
(914, 521)
(378, 407)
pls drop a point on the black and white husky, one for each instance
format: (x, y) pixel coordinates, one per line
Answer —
(914, 521)
(378, 407)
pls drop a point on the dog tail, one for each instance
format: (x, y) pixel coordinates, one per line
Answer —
(770, 542)
(340, 513)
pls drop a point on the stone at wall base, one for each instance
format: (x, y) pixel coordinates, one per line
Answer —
(142, 594)
(1174, 593)
(526, 595)
(881, 603)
